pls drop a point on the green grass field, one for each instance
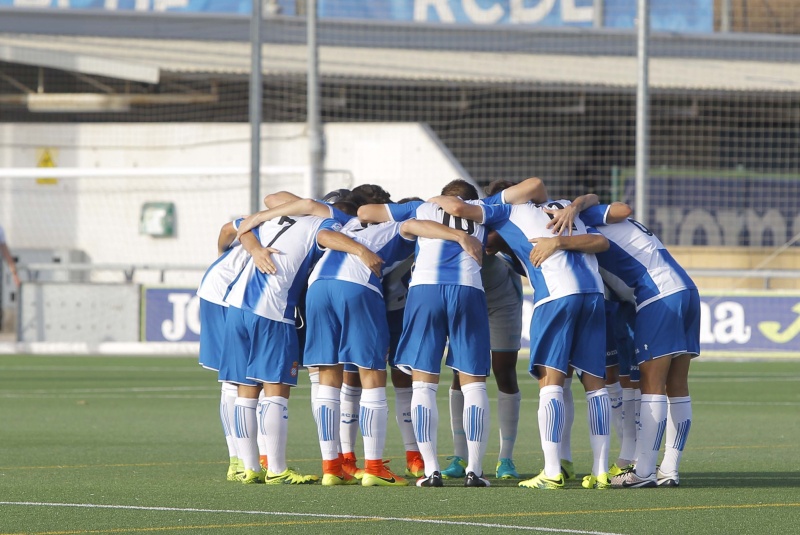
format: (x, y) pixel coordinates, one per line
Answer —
(134, 445)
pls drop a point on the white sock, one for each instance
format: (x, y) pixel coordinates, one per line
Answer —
(350, 398)
(261, 438)
(246, 431)
(425, 417)
(508, 415)
(457, 424)
(599, 415)
(227, 414)
(627, 451)
(326, 416)
(273, 419)
(654, 421)
(374, 416)
(569, 419)
(314, 378)
(551, 427)
(476, 416)
(679, 422)
(402, 414)
(615, 397)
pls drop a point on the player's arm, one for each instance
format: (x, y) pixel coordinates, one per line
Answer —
(562, 220)
(337, 241)
(373, 213)
(530, 189)
(458, 208)
(584, 243)
(299, 207)
(281, 197)
(431, 229)
(618, 212)
(226, 236)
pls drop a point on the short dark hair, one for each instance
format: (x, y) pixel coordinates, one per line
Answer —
(497, 185)
(373, 193)
(461, 188)
(409, 199)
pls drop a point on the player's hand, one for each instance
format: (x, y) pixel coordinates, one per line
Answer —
(262, 257)
(562, 221)
(473, 247)
(543, 248)
(372, 261)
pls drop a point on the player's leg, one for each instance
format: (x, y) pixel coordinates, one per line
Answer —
(327, 410)
(212, 351)
(589, 358)
(350, 400)
(679, 408)
(679, 420)
(458, 461)
(275, 364)
(324, 332)
(374, 418)
(468, 321)
(419, 352)
(598, 415)
(233, 369)
(551, 334)
(403, 390)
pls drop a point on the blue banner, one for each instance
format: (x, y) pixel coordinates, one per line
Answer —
(170, 315)
(753, 324)
(725, 209)
(686, 16)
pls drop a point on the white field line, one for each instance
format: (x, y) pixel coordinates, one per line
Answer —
(310, 515)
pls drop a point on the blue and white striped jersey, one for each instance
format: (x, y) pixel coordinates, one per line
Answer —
(275, 296)
(442, 261)
(637, 266)
(215, 281)
(565, 272)
(383, 239)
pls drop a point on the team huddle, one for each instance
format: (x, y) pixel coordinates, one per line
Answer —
(351, 283)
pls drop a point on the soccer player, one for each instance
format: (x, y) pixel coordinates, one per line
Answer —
(213, 286)
(262, 342)
(640, 270)
(445, 300)
(503, 287)
(568, 323)
(346, 315)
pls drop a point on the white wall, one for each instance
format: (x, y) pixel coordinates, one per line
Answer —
(101, 215)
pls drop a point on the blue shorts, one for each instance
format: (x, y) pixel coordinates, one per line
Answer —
(258, 350)
(395, 320)
(212, 334)
(436, 313)
(570, 331)
(669, 326)
(346, 325)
